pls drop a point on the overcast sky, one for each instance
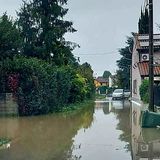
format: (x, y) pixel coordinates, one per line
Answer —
(102, 25)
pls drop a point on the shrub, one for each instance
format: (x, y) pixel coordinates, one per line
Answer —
(41, 88)
(144, 91)
(36, 91)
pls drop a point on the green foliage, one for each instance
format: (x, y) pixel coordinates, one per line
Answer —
(43, 27)
(106, 74)
(123, 73)
(144, 91)
(41, 88)
(143, 24)
(4, 141)
(78, 90)
(10, 41)
(86, 71)
(100, 96)
(36, 91)
(36, 62)
(110, 90)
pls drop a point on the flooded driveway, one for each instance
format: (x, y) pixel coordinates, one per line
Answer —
(106, 130)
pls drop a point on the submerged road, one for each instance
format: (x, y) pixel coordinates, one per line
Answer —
(107, 130)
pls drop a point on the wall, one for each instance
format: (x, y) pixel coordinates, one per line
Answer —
(135, 72)
(8, 105)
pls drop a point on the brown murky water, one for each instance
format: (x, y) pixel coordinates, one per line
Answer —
(105, 131)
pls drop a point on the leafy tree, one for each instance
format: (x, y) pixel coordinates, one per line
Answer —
(106, 74)
(43, 28)
(10, 41)
(143, 24)
(123, 74)
(86, 71)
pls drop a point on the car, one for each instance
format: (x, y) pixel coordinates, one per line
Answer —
(118, 94)
(127, 94)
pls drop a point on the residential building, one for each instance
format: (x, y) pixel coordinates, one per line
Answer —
(100, 81)
(140, 61)
(101, 85)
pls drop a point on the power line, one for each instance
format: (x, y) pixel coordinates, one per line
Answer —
(97, 54)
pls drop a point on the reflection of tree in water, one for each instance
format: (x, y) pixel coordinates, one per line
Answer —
(123, 115)
(47, 137)
(106, 108)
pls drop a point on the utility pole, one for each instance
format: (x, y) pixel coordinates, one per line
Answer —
(151, 71)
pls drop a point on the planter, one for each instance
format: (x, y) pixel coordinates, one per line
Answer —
(150, 119)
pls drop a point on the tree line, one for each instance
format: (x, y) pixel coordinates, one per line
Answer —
(36, 62)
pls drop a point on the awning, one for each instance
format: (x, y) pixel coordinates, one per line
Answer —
(144, 69)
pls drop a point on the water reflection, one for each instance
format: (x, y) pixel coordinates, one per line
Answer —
(107, 130)
(43, 138)
(145, 142)
(109, 136)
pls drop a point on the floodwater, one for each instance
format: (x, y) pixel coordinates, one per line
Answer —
(106, 130)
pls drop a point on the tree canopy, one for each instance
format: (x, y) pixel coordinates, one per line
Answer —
(143, 24)
(43, 27)
(10, 41)
(106, 74)
(123, 74)
(36, 61)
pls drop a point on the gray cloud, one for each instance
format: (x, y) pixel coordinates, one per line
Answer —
(102, 27)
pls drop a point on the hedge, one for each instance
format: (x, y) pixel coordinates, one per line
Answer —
(41, 88)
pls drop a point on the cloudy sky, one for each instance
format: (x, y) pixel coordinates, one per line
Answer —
(102, 25)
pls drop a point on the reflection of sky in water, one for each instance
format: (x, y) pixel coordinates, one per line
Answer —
(93, 134)
(101, 140)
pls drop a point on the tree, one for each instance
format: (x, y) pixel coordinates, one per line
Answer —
(10, 41)
(106, 74)
(43, 28)
(143, 24)
(86, 71)
(123, 74)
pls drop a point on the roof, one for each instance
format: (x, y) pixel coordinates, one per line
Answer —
(101, 80)
(144, 69)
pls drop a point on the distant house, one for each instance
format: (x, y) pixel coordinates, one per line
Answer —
(140, 61)
(100, 81)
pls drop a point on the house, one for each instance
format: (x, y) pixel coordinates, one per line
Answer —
(140, 61)
(101, 85)
(100, 81)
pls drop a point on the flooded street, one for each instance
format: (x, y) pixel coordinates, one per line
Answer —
(106, 130)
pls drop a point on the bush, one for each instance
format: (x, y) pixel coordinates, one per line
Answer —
(41, 88)
(36, 89)
(144, 91)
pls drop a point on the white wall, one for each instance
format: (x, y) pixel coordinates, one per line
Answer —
(135, 72)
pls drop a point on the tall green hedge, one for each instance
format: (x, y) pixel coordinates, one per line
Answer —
(41, 88)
